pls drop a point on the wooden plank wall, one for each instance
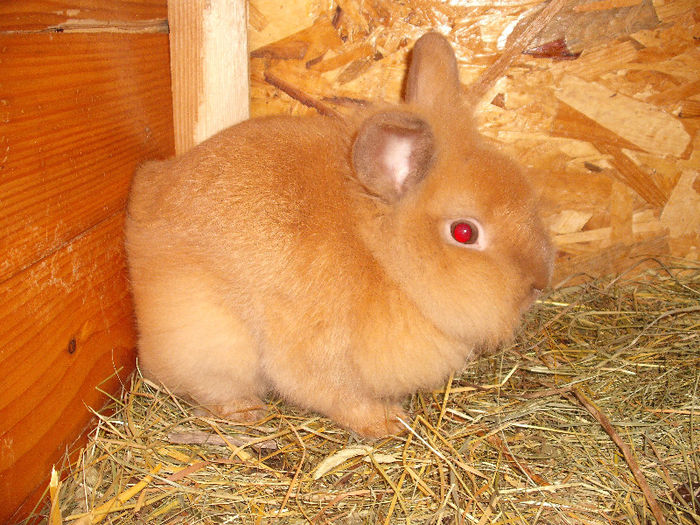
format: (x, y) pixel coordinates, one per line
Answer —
(84, 97)
(604, 108)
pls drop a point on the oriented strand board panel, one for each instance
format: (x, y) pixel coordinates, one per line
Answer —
(603, 106)
(78, 113)
(268, 19)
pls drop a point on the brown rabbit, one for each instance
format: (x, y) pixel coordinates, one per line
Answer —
(343, 263)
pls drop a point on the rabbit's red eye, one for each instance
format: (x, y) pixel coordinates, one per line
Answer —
(464, 232)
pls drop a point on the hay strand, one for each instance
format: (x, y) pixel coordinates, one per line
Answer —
(514, 438)
(54, 489)
(626, 451)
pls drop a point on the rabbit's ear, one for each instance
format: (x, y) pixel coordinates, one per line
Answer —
(393, 151)
(433, 77)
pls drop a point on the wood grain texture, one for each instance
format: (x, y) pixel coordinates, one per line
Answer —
(42, 15)
(209, 57)
(65, 326)
(78, 112)
(607, 126)
(640, 123)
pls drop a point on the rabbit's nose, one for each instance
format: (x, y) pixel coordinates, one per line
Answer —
(537, 272)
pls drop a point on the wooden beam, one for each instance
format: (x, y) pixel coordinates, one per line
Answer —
(209, 68)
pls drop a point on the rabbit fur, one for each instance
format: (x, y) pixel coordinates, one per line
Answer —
(313, 256)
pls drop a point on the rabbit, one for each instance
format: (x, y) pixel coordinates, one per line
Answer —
(340, 262)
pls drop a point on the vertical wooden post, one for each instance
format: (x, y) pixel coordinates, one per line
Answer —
(209, 67)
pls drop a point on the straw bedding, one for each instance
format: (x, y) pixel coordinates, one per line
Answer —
(591, 416)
